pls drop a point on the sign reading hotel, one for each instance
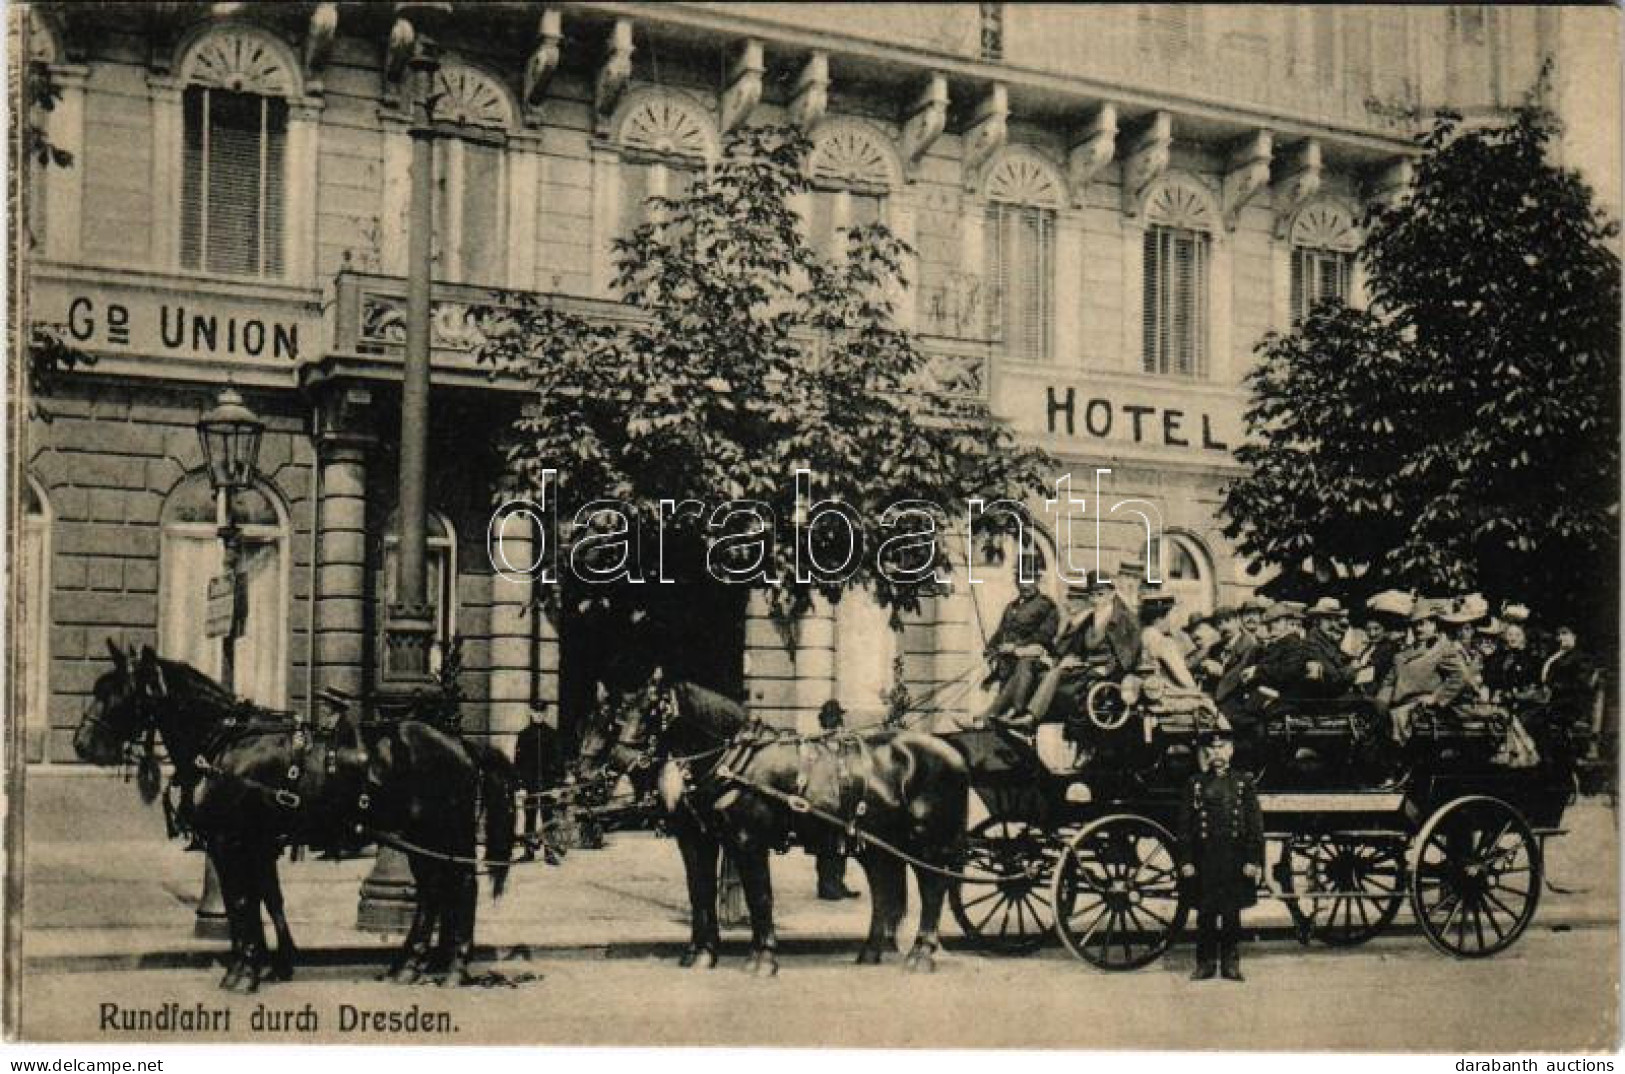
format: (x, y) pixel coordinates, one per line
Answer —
(1121, 418)
(112, 318)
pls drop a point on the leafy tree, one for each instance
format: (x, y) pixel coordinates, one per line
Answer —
(1463, 432)
(748, 355)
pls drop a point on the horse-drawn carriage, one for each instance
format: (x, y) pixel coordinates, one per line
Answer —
(1453, 821)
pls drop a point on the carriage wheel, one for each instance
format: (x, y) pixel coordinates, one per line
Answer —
(1475, 877)
(1116, 893)
(1345, 865)
(1014, 915)
(1105, 705)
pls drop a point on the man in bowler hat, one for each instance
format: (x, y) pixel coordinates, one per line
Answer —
(1222, 833)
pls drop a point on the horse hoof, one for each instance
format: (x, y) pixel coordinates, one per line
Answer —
(762, 964)
(920, 962)
(406, 975)
(228, 981)
(282, 971)
(688, 958)
(699, 958)
(246, 984)
(457, 977)
(868, 957)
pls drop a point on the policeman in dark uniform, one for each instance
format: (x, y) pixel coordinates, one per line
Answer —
(1222, 836)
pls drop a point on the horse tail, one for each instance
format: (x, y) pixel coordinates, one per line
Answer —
(497, 790)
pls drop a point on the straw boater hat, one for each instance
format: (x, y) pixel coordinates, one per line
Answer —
(1469, 609)
(1256, 603)
(1286, 609)
(1492, 628)
(1392, 603)
(1515, 613)
(1429, 608)
(1327, 608)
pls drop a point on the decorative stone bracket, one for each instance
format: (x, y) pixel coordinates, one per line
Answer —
(1146, 160)
(1300, 180)
(925, 122)
(744, 90)
(613, 75)
(539, 69)
(1094, 149)
(988, 131)
(1391, 183)
(319, 35)
(1247, 172)
(810, 98)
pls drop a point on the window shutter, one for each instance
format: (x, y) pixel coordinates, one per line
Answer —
(998, 273)
(232, 191)
(634, 191)
(480, 241)
(1021, 268)
(1176, 302)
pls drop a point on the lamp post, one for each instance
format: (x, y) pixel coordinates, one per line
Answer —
(388, 897)
(230, 434)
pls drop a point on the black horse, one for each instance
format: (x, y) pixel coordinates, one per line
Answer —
(727, 782)
(253, 781)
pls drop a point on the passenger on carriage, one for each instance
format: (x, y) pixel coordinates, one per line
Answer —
(1020, 647)
(1159, 653)
(1428, 672)
(1097, 640)
(1209, 670)
(1202, 639)
(1243, 648)
(1327, 671)
(1387, 615)
(1570, 677)
(1512, 673)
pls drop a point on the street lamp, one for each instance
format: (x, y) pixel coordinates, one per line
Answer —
(230, 434)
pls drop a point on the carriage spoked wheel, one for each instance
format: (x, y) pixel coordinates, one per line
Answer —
(1105, 705)
(1475, 876)
(1013, 915)
(1345, 889)
(1116, 893)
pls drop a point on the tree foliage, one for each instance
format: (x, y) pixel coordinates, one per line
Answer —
(747, 355)
(1463, 431)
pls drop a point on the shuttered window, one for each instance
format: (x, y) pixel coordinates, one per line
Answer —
(1021, 267)
(1176, 304)
(469, 202)
(232, 187)
(1318, 276)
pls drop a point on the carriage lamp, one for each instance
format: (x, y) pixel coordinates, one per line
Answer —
(230, 433)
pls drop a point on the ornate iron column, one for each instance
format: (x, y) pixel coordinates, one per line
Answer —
(387, 895)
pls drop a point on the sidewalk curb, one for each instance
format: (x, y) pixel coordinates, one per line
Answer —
(375, 954)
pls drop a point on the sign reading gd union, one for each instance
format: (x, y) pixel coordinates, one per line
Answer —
(184, 326)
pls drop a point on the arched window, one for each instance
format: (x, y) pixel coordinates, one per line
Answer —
(34, 619)
(236, 84)
(666, 140)
(1187, 573)
(1323, 240)
(441, 584)
(470, 177)
(1178, 241)
(190, 555)
(853, 171)
(1023, 194)
(866, 650)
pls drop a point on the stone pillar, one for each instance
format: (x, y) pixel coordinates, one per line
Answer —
(341, 563)
(511, 626)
